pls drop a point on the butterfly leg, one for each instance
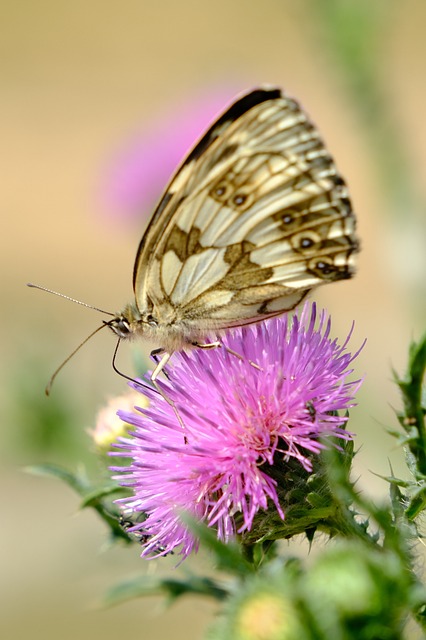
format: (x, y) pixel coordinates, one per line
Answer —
(155, 356)
(214, 345)
(207, 345)
(158, 369)
(240, 357)
(155, 353)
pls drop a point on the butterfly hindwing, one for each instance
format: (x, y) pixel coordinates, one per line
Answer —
(255, 217)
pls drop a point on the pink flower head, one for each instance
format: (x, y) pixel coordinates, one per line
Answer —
(277, 399)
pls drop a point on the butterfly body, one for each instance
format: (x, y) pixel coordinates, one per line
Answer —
(254, 218)
(173, 331)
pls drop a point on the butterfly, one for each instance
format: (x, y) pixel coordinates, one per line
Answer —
(253, 219)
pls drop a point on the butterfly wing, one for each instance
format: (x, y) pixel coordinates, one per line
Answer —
(255, 217)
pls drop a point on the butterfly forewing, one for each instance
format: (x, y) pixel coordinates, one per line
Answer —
(254, 218)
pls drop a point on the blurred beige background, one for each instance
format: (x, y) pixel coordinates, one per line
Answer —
(76, 80)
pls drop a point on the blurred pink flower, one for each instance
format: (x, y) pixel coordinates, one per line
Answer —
(139, 174)
(238, 420)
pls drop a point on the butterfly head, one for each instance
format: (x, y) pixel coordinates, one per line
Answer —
(127, 323)
(160, 326)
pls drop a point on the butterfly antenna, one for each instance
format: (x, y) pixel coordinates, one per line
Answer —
(62, 295)
(62, 365)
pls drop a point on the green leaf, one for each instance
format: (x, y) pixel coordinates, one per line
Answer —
(417, 503)
(229, 556)
(78, 482)
(413, 418)
(172, 588)
(92, 498)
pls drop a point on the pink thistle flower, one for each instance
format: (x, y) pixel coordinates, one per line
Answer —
(238, 419)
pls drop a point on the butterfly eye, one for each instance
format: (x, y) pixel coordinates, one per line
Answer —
(121, 327)
(151, 320)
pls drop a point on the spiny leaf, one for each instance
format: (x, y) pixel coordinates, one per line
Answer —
(155, 585)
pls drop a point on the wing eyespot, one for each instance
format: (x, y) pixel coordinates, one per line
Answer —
(325, 266)
(305, 241)
(325, 269)
(226, 193)
(288, 220)
(241, 200)
(221, 191)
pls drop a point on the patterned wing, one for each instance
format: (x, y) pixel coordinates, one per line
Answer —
(254, 218)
